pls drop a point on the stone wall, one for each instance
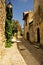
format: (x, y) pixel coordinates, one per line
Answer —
(2, 21)
(27, 19)
(25, 25)
(38, 20)
(31, 31)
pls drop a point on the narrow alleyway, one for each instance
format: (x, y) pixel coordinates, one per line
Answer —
(22, 53)
(31, 54)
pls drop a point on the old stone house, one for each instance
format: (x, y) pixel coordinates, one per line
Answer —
(31, 31)
(25, 15)
(28, 25)
(2, 21)
(38, 21)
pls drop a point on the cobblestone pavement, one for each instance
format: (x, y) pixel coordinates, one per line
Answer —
(31, 54)
(12, 56)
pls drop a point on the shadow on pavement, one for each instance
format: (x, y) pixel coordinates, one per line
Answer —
(36, 53)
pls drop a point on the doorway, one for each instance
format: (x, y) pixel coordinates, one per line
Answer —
(27, 35)
(38, 35)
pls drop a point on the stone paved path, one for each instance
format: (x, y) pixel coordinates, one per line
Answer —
(21, 53)
(30, 60)
(12, 56)
(31, 54)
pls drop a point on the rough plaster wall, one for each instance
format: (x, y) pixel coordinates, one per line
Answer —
(2, 22)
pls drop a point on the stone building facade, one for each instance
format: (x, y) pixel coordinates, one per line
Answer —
(2, 21)
(38, 21)
(28, 25)
(31, 31)
(25, 15)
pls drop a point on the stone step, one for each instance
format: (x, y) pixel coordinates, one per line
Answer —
(21, 47)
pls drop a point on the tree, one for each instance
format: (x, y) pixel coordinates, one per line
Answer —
(14, 26)
(18, 25)
(8, 26)
(8, 32)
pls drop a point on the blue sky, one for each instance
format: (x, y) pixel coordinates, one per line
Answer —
(19, 6)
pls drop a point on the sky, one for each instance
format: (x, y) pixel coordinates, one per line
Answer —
(19, 6)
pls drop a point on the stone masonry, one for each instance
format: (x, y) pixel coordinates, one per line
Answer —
(28, 29)
(2, 22)
(38, 21)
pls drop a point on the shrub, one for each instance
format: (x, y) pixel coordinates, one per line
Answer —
(8, 32)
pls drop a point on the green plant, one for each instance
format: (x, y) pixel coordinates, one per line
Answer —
(8, 32)
(8, 43)
(8, 26)
(14, 27)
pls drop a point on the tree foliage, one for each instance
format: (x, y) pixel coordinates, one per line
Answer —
(8, 32)
(16, 26)
(8, 26)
